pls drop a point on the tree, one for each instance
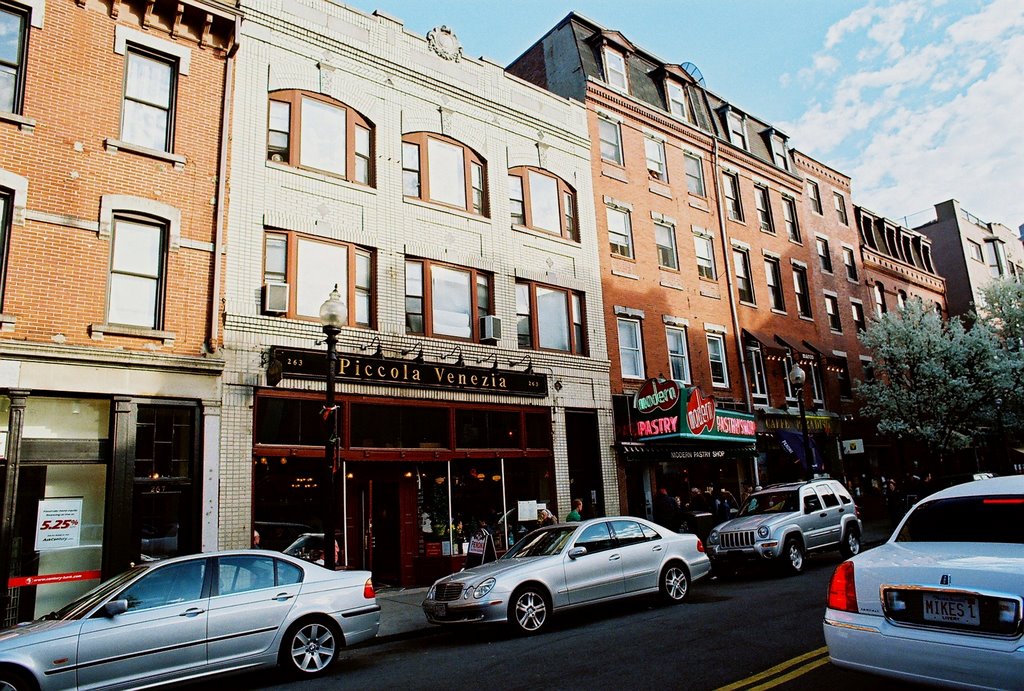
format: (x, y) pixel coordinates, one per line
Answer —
(933, 380)
(1002, 310)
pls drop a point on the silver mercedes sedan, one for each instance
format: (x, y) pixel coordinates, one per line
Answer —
(569, 565)
(191, 617)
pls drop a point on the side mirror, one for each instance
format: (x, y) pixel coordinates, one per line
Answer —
(577, 552)
(114, 607)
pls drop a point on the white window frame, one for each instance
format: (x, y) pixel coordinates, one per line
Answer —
(612, 56)
(779, 153)
(720, 339)
(627, 232)
(741, 269)
(695, 175)
(657, 166)
(738, 130)
(606, 126)
(824, 253)
(814, 194)
(675, 356)
(763, 204)
(789, 219)
(840, 204)
(632, 325)
(974, 251)
(124, 264)
(850, 262)
(835, 322)
(678, 100)
(733, 203)
(669, 251)
(758, 377)
(773, 279)
(802, 288)
(704, 241)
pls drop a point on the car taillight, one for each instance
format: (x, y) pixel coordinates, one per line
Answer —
(368, 589)
(856, 511)
(700, 545)
(842, 592)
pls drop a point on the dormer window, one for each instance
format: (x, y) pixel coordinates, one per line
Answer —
(737, 130)
(678, 101)
(615, 69)
(779, 154)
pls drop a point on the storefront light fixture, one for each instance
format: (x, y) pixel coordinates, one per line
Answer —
(379, 352)
(460, 362)
(418, 350)
(527, 359)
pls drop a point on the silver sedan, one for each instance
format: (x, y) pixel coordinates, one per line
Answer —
(570, 565)
(191, 617)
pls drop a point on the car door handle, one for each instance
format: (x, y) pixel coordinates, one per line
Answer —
(824, 514)
(657, 548)
(841, 510)
(614, 557)
(281, 597)
(192, 612)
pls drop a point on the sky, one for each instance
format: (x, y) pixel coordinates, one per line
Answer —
(918, 101)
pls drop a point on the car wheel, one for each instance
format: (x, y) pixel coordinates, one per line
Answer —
(309, 648)
(12, 679)
(793, 556)
(529, 610)
(850, 544)
(675, 583)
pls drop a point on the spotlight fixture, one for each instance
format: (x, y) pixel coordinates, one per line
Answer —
(379, 352)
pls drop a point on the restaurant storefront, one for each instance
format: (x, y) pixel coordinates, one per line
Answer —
(679, 439)
(782, 445)
(414, 476)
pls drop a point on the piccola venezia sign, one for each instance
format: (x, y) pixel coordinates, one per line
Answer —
(312, 364)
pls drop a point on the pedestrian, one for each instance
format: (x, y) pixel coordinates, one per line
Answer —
(547, 518)
(666, 510)
(697, 502)
(577, 511)
(894, 501)
(255, 539)
(725, 502)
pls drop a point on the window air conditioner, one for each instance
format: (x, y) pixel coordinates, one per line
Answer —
(490, 329)
(275, 298)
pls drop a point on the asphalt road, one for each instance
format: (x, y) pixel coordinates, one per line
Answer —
(755, 631)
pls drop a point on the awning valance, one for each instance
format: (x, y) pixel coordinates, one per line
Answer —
(769, 349)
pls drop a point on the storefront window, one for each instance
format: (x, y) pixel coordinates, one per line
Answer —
(287, 498)
(289, 421)
(487, 429)
(58, 533)
(538, 430)
(393, 426)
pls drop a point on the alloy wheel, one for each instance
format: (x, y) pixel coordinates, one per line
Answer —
(675, 584)
(531, 611)
(313, 648)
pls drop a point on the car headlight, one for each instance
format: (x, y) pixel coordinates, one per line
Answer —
(484, 588)
(763, 532)
(713, 537)
(430, 593)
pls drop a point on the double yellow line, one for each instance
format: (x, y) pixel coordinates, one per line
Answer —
(781, 673)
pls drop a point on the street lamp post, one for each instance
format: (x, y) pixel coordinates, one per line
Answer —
(332, 316)
(797, 377)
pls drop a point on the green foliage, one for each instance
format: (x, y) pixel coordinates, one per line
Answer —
(934, 381)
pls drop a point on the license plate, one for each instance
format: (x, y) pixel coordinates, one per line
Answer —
(951, 609)
(439, 609)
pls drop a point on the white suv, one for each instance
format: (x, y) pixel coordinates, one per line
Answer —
(782, 523)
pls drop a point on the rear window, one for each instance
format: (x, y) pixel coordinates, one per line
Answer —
(966, 519)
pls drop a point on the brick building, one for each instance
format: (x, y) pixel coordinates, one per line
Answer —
(724, 261)
(451, 204)
(110, 131)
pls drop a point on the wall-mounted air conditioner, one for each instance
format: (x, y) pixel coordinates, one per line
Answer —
(490, 329)
(275, 298)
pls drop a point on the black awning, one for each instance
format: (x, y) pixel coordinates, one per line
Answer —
(798, 352)
(768, 347)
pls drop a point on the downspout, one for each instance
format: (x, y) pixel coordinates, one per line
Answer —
(222, 184)
(727, 258)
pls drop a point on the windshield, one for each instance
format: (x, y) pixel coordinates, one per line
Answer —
(770, 502)
(541, 543)
(966, 519)
(79, 607)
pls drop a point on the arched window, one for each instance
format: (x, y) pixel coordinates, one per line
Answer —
(543, 201)
(440, 169)
(314, 131)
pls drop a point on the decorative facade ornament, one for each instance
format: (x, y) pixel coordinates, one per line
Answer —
(445, 43)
